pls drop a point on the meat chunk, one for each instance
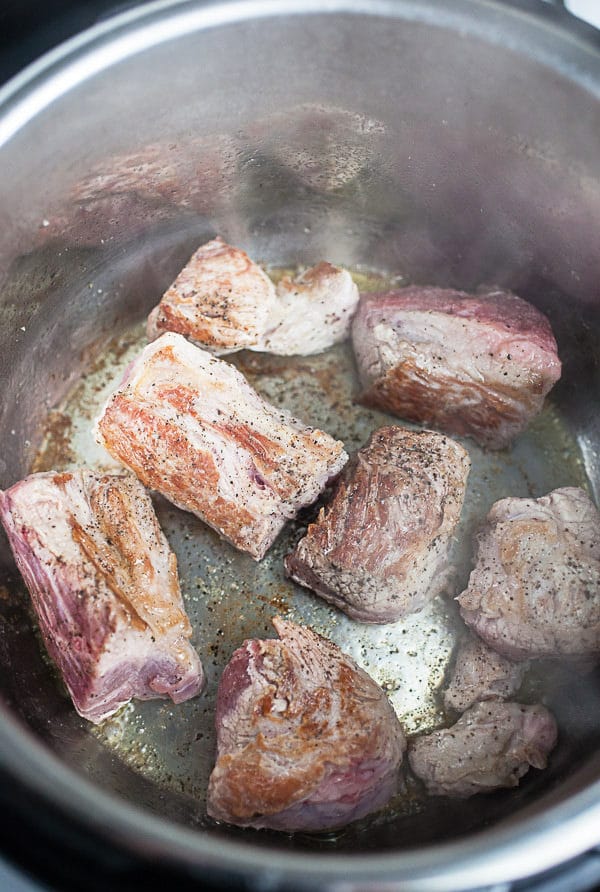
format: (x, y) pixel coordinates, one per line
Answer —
(479, 673)
(190, 426)
(223, 301)
(104, 586)
(305, 739)
(491, 746)
(535, 589)
(473, 365)
(379, 550)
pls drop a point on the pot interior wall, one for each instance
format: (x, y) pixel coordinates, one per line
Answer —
(420, 145)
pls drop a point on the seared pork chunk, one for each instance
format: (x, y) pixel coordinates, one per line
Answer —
(190, 426)
(535, 589)
(379, 550)
(104, 586)
(473, 365)
(305, 739)
(491, 746)
(223, 301)
(479, 673)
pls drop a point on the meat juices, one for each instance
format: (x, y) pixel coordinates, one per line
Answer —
(305, 739)
(479, 673)
(379, 549)
(104, 586)
(479, 365)
(190, 426)
(223, 301)
(491, 746)
(535, 589)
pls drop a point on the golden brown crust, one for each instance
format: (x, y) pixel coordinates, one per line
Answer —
(198, 481)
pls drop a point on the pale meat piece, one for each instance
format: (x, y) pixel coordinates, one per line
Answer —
(491, 746)
(535, 589)
(477, 365)
(223, 301)
(479, 673)
(190, 426)
(379, 549)
(305, 739)
(104, 585)
(314, 312)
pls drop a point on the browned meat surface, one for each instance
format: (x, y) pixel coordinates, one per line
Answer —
(104, 585)
(223, 301)
(473, 365)
(535, 589)
(190, 426)
(479, 673)
(379, 550)
(305, 739)
(491, 746)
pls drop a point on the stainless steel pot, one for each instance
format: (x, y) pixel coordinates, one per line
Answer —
(454, 142)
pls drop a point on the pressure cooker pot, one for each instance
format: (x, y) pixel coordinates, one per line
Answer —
(450, 144)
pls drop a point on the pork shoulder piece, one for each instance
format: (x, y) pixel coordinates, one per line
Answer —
(104, 586)
(305, 739)
(479, 365)
(479, 673)
(190, 426)
(535, 589)
(491, 746)
(223, 301)
(379, 549)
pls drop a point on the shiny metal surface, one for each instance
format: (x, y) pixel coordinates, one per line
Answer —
(345, 130)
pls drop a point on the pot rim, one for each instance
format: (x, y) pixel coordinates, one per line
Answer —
(503, 853)
(529, 844)
(140, 28)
